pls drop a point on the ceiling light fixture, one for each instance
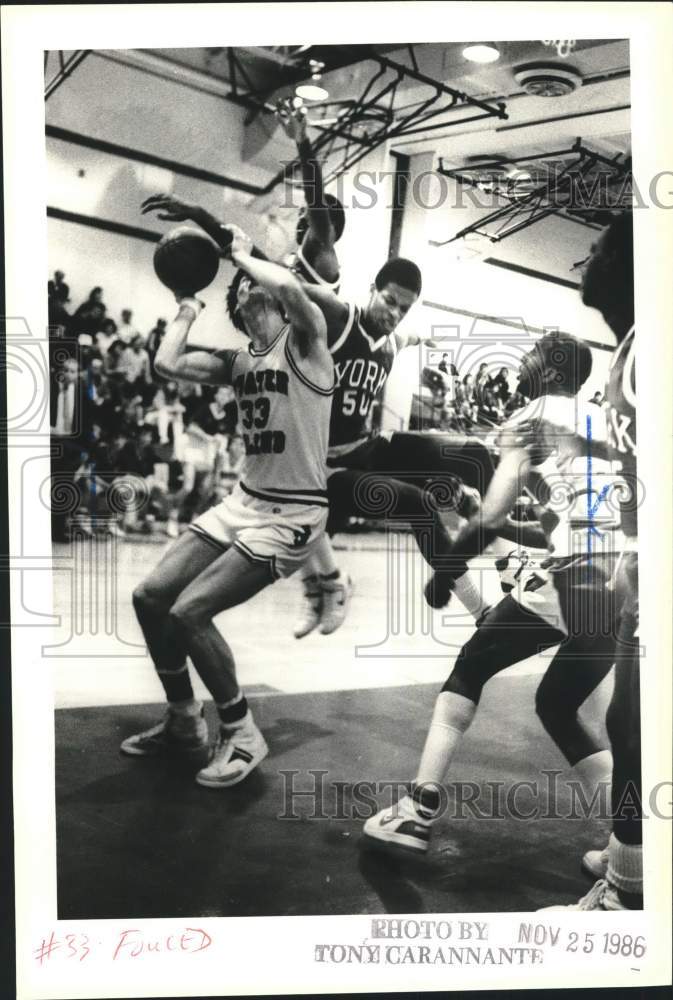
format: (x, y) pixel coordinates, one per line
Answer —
(483, 52)
(313, 91)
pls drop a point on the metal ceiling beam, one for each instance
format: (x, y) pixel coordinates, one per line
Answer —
(520, 212)
(361, 135)
(65, 68)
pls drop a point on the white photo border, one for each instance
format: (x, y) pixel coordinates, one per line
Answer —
(277, 955)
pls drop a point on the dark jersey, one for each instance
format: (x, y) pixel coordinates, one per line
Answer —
(362, 366)
(621, 420)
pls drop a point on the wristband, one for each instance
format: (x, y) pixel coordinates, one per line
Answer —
(196, 305)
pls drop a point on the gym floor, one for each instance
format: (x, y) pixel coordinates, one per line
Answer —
(138, 838)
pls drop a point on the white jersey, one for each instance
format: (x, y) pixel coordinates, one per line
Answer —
(284, 419)
(580, 493)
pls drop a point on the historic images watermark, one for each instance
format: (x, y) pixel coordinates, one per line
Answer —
(431, 189)
(48, 466)
(312, 795)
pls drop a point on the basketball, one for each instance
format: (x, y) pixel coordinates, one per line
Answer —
(186, 260)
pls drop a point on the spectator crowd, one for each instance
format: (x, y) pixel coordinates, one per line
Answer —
(465, 403)
(130, 452)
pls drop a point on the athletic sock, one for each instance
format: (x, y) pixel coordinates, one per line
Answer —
(233, 711)
(188, 707)
(426, 800)
(595, 773)
(177, 685)
(469, 595)
(322, 557)
(451, 718)
(625, 870)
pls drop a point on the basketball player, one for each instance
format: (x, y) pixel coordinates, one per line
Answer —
(607, 285)
(319, 227)
(264, 530)
(364, 344)
(322, 220)
(562, 600)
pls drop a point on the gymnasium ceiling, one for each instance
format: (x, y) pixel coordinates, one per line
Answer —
(255, 77)
(597, 111)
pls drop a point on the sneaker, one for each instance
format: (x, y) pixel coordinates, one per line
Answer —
(400, 826)
(595, 863)
(335, 600)
(185, 735)
(311, 608)
(438, 589)
(172, 529)
(602, 896)
(239, 750)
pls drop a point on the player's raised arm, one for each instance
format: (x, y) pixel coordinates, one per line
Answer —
(171, 209)
(307, 321)
(174, 362)
(334, 309)
(324, 213)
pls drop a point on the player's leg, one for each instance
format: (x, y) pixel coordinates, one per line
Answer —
(378, 496)
(311, 607)
(625, 863)
(326, 592)
(184, 727)
(622, 888)
(508, 634)
(581, 663)
(335, 588)
(463, 457)
(231, 579)
(441, 465)
(574, 673)
(622, 859)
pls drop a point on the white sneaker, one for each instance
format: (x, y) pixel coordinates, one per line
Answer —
(185, 735)
(311, 608)
(240, 748)
(401, 826)
(172, 528)
(602, 896)
(335, 600)
(595, 863)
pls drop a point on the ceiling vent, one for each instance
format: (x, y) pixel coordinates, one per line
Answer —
(547, 79)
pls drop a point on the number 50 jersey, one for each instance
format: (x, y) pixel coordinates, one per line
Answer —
(362, 366)
(284, 421)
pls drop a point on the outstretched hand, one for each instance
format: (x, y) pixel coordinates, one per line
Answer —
(292, 117)
(241, 243)
(169, 208)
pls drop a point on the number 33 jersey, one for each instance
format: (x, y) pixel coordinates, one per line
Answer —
(283, 417)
